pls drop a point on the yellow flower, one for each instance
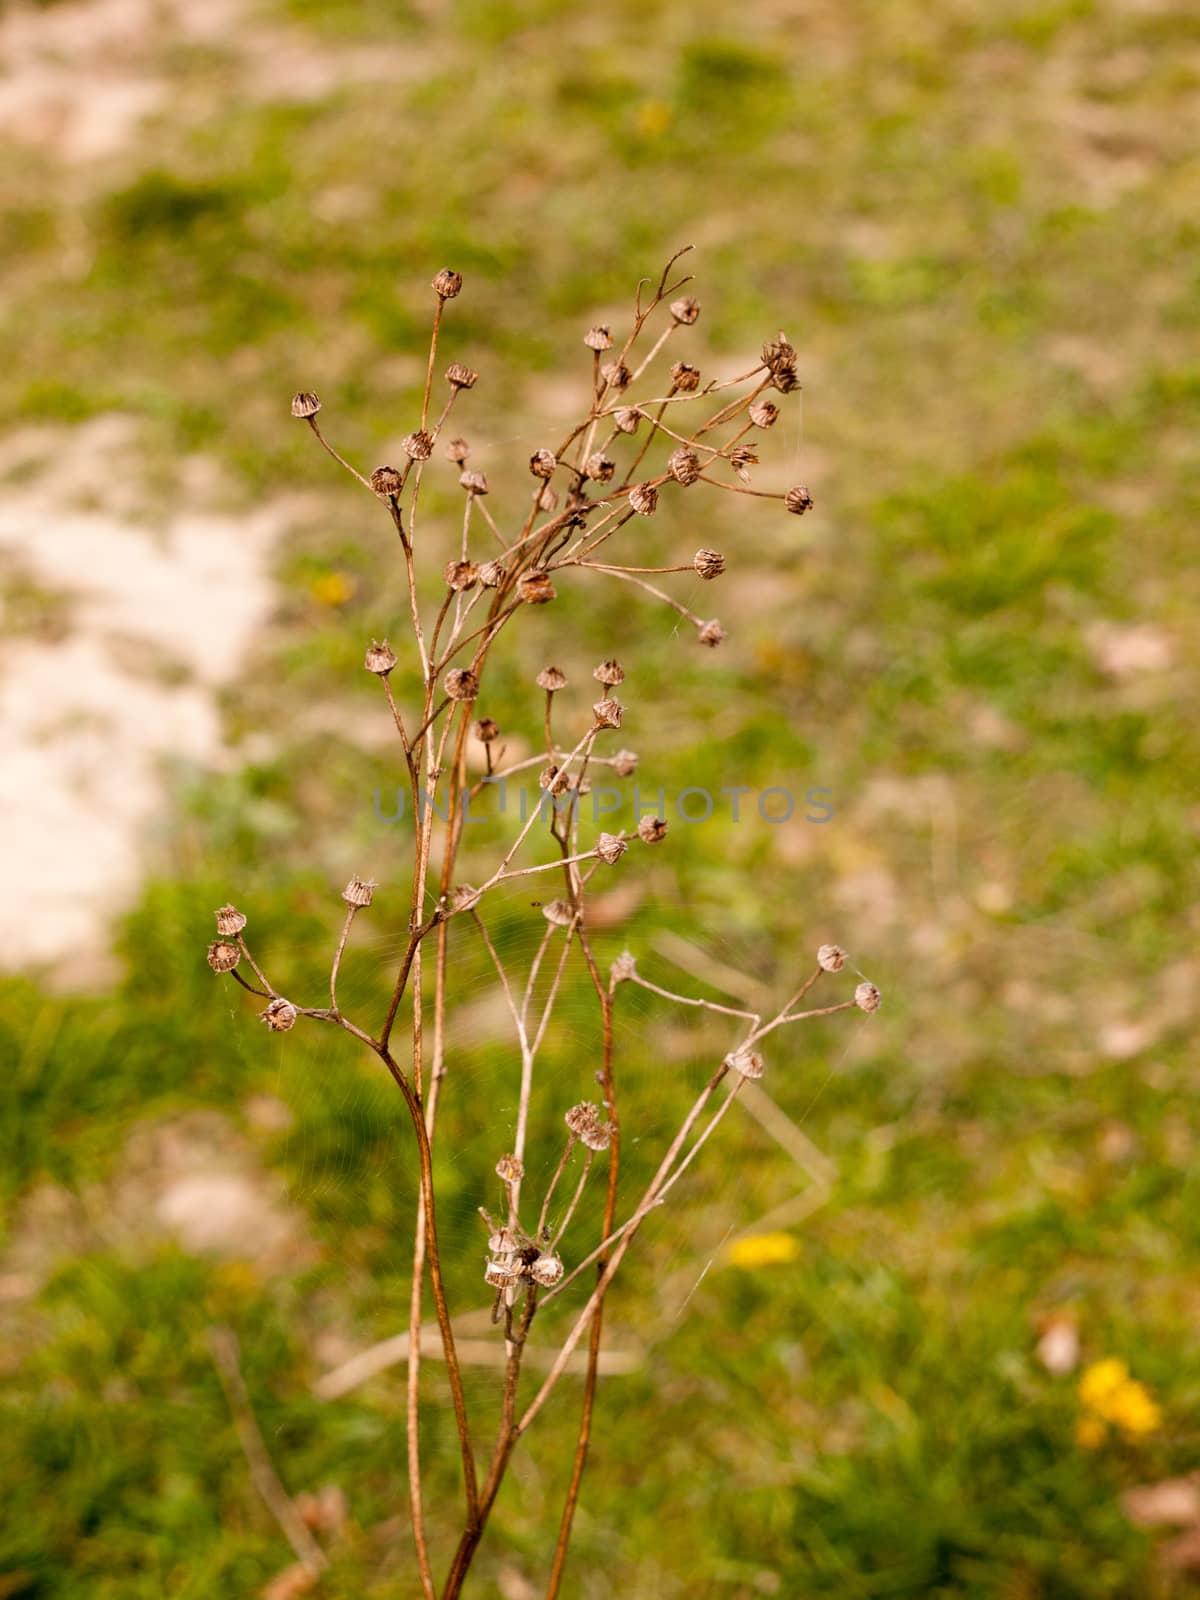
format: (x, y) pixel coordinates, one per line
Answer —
(1101, 1381)
(1090, 1433)
(1133, 1410)
(653, 118)
(332, 588)
(1111, 1395)
(762, 1250)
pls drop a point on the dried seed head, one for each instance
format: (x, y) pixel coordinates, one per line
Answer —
(798, 500)
(746, 1061)
(584, 1115)
(686, 310)
(547, 498)
(598, 1136)
(600, 467)
(552, 679)
(553, 781)
(447, 283)
(643, 497)
(418, 445)
(608, 713)
(609, 672)
(461, 575)
(359, 892)
(460, 377)
(230, 921)
(627, 419)
(684, 465)
(624, 763)
(460, 683)
(652, 830)
(623, 968)
(558, 913)
(503, 1242)
(598, 338)
(779, 357)
(711, 634)
(764, 414)
(280, 1016)
(458, 450)
(462, 897)
(610, 847)
(542, 463)
(741, 458)
(831, 958)
(492, 574)
(685, 377)
(546, 1270)
(867, 997)
(305, 404)
(223, 956)
(708, 564)
(509, 1169)
(486, 730)
(779, 352)
(380, 658)
(473, 482)
(501, 1274)
(616, 375)
(536, 588)
(386, 481)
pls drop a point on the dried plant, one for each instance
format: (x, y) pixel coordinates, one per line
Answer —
(603, 477)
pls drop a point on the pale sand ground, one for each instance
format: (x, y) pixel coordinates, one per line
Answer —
(156, 620)
(159, 617)
(79, 79)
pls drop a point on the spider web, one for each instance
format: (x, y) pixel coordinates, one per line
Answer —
(362, 1096)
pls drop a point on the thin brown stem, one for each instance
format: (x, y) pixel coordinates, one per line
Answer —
(351, 911)
(405, 741)
(425, 1155)
(740, 488)
(341, 461)
(573, 1203)
(257, 970)
(249, 987)
(803, 1016)
(437, 322)
(687, 1000)
(223, 1344)
(583, 1441)
(649, 588)
(552, 1185)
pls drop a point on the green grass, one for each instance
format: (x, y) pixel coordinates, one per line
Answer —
(977, 224)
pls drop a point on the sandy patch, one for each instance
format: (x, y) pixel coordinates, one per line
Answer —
(195, 1180)
(76, 80)
(1126, 650)
(159, 618)
(79, 79)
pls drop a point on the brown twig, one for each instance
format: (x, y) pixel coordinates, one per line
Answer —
(223, 1344)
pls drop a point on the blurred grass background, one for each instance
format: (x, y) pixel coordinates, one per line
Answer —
(978, 224)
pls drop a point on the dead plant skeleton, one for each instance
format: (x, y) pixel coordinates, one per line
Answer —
(604, 473)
